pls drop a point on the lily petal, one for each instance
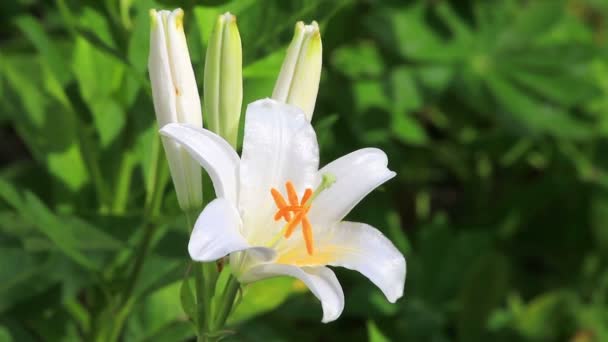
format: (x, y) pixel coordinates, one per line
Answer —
(214, 154)
(321, 281)
(357, 174)
(188, 102)
(279, 145)
(217, 233)
(365, 249)
(356, 246)
(161, 79)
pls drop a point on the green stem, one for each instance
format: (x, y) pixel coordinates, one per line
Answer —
(200, 302)
(204, 280)
(232, 287)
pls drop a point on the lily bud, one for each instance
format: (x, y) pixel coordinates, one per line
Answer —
(223, 86)
(176, 99)
(298, 81)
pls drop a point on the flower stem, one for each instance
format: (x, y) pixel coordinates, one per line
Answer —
(225, 307)
(205, 277)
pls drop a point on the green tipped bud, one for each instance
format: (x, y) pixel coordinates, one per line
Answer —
(298, 81)
(176, 99)
(223, 87)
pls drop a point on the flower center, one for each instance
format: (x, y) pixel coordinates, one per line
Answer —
(294, 210)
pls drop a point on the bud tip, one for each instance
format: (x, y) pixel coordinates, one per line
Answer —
(179, 18)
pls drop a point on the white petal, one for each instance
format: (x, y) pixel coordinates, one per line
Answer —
(279, 145)
(365, 249)
(186, 175)
(216, 232)
(214, 154)
(321, 281)
(357, 174)
(163, 90)
(187, 98)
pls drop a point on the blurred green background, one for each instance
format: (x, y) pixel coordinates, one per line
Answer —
(493, 113)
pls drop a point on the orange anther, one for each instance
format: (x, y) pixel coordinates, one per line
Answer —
(307, 232)
(280, 202)
(291, 194)
(287, 210)
(299, 208)
(291, 226)
(306, 197)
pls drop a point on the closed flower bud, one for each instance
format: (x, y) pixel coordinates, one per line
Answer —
(298, 81)
(175, 98)
(223, 86)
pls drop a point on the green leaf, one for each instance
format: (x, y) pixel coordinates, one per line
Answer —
(370, 94)
(484, 288)
(374, 334)
(109, 120)
(46, 46)
(534, 116)
(158, 314)
(51, 136)
(5, 335)
(22, 276)
(261, 297)
(265, 67)
(542, 318)
(537, 19)
(70, 235)
(362, 60)
(187, 300)
(406, 98)
(407, 32)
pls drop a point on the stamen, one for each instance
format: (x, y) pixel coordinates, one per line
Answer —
(287, 209)
(307, 194)
(291, 226)
(299, 208)
(291, 194)
(280, 202)
(307, 232)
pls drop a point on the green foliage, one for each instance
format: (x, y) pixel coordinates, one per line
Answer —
(494, 115)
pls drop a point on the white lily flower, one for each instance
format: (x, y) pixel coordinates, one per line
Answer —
(176, 99)
(276, 188)
(298, 81)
